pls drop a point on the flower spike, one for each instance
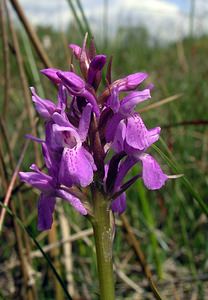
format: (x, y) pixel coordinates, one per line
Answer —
(93, 138)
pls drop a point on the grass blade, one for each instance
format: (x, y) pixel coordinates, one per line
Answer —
(41, 250)
(176, 168)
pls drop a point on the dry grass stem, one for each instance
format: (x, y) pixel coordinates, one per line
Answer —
(5, 50)
(67, 259)
(11, 184)
(159, 103)
(138, 250)
(72, 238)
(31, 34)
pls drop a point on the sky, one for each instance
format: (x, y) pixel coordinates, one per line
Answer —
(167, 20)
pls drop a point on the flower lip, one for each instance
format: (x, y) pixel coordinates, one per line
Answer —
(152, 174)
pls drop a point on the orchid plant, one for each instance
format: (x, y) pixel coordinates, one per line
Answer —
(92, 140)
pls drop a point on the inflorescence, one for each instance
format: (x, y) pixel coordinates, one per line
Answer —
(92, 138)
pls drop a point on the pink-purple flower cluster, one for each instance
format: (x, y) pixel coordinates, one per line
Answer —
(92, 138)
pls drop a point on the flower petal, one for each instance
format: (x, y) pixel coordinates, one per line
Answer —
(124, 167)
(84, 122)
(113, 100)
(152, 175)
(44, 107)
(90, 159)
(95, 66)
(130, 101)
(119, 204)
(111, 127)
(46, 205)
(62, 97)
(52, 160)
(76, 50)
(130, 82)
(137, 135)
(53, 138)
(51, 74)
(38, 180)
(73, 82)
(61, 119)
(75, 168)
(74, 201)
(118, 141)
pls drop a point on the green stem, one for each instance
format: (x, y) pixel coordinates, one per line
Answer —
(103, 233)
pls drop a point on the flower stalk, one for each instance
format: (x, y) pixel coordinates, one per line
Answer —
(103, 234)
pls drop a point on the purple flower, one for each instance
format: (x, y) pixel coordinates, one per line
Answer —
(152, 175)
(92, 138)
(46, 107)
(123, 109)
(49, 191)
(77, 164)
(132, 135)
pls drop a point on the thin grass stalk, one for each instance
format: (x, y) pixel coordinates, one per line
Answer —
(5, 50)
(28, 295)
(25, 85)
(3, 164)
(85, 238)
(105, 23)
(55, 254)
(6, 142)
(176, 168)
(146, 210)
(19, 124)
(3, 180)
(85, 21)
(11, 185)
(186, 240)
(32, 63)
(186, 123)
(191, 17)
(56, 274)
(68, 56)
(138, 250)
(31, 34)
(159, 103)
(80, 25)
(128, 281)
(67, 251)
(74, 237)
(25, 293)
(181, 57)
(21, 209)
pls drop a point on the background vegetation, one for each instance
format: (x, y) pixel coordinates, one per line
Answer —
(163, 235)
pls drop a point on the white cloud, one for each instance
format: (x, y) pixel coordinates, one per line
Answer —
(163, 19)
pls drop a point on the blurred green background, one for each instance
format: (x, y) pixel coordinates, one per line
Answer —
(170, 224)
